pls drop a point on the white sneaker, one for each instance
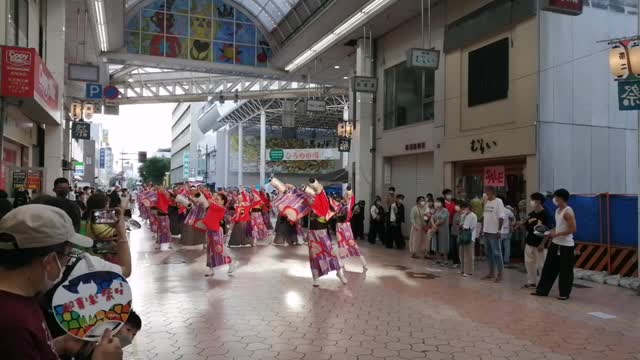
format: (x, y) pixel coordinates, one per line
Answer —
(342, 278)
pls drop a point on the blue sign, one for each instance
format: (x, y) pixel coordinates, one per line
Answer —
(94, 91)
(629, 95)
(103, 157)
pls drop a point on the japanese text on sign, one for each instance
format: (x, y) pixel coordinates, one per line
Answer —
(629, 95)
(482, 145)
(494, 176)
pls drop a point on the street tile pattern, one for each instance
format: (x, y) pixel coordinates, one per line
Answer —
(268, 309)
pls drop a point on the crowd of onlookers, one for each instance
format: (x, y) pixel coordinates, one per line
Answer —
(46, 241)
(453, 232)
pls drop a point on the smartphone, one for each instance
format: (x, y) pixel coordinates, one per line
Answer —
(105, 216)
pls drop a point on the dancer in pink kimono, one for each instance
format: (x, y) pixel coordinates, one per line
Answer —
(259, 230)
(214, 221)
(291, 205)
(322, 257)
(347, 246)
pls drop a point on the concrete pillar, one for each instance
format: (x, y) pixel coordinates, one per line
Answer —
(240, 140)
(263, 146)
(226, 156)
(361, 157)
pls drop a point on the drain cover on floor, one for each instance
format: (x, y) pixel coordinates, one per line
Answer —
(397, 267)
(421, 275)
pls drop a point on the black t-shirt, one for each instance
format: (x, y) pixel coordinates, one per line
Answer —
(536, 218)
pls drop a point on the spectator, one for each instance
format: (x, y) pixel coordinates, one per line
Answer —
(505, 233)
(450, 205)
(376, 227)
(357, 220)
(20, 197)
(391, 198)
(430, 198)
(396, 219)
(125, 203)
(534, 252)
(126, 335)
(561, 257)
(5, 204)
(456, 224)
(466, 238)
(62, 188)
(418, 236)
(111, 242)
(492, 220)
(35, 246)
(440, 227)
(114, 198)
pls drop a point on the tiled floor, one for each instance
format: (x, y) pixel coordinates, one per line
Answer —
(269, 310)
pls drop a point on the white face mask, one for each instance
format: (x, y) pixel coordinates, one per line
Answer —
(423, 203)
(438, 205)
(52, 283)
(457, 208)
(555, 201)
(449, 197)
(485, 196)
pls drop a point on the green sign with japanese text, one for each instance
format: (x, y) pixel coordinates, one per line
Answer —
(629, 95)
(276, 154)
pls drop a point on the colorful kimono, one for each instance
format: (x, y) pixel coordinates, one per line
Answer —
(163, 226)
(259, 230)
(287, 227)
(216, 254)
(193, 233)
(347, 245)
(241, 219)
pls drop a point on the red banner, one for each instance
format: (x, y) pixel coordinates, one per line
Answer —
(494, 176)
(24, 75)
(568, 7)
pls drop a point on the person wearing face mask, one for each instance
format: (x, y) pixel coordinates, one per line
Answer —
(125, 335)
(394, 228)
(440, 226)
(376, 224)
(455, 232)
(418, 236)
(492, 221)
(534, 251)
(62, 189)
(35, 248)
(450, 205)
(560, 258)
(467, 238)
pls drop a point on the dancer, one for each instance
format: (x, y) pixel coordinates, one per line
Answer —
(347, 246)
(322, 258)
(266, 210)
(240, 220)
(193, 233)
(259, 231)
(290, 204)
(164, 226)
(214, 221)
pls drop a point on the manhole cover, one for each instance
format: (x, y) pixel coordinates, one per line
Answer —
(421, 275)
(397, 267)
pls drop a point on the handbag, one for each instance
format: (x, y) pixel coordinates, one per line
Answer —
(464, 238)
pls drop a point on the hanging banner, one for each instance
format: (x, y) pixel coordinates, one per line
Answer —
(494, 176)
(629, 95)
(303, 154)
(81, 130)
(344, 145)
(88, 304)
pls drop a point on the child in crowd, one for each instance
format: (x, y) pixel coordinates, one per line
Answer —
(126, 334)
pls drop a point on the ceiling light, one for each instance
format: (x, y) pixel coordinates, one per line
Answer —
(346, 78)
(101, 24)
(355, 20)
(337, 67)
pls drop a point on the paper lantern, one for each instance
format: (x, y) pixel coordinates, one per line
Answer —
(76, 111)
(633, 51)
(619, 61)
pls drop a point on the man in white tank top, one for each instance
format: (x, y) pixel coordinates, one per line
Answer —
(560, 257)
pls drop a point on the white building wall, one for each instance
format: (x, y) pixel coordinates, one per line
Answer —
(585, 143)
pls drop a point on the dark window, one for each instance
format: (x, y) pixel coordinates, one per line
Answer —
(408, 96)
(489, 73)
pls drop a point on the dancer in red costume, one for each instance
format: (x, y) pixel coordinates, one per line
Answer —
(347, 246)
(214, 221)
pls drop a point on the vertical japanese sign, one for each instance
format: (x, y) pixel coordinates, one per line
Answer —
(629, 95)
(494, 176)
(186, 165)
(81, 130)
(103, 157)
(34, 180)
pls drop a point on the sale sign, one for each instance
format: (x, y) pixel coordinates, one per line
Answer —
(88, 304)
(494, 176)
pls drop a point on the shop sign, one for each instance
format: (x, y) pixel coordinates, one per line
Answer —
(494, 176)
(276, 154)
(304, 154)
(344, 145)
(34, 180)
(24, 75)
(416, 146)
(567, 7)
(81, 130)
(428, 59)
(78, 169)
(103, 157)
(19, 179)
(629, 95)
(365, 84)
(316, 106)
(482, 145)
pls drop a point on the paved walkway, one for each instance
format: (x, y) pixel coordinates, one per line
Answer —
(397, 310)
